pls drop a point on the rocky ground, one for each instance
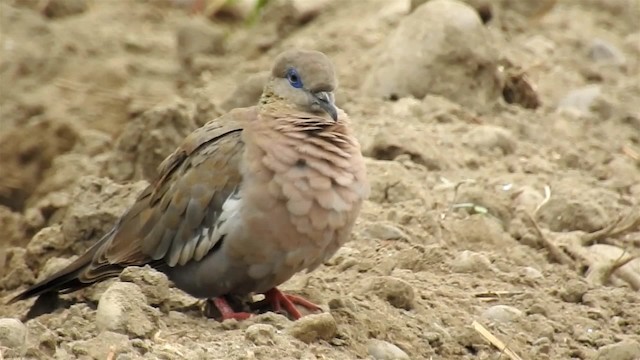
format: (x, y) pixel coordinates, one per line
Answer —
(502, 142)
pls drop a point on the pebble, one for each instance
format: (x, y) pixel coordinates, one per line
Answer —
(261, 334)
(502, 313)
(605, 52)
(383, 350)
(314, 327)
(123, 308)
(573, 291)
(470, 262)
(489, 137)
(581, 99)
(13, 335)
(623, 350)
(395, 291)
(531, 273)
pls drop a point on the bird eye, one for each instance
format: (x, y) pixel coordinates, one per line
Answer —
(294, 78)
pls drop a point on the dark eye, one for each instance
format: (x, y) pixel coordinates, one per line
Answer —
(294, 78)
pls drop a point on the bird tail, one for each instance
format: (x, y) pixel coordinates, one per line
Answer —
(67, 279)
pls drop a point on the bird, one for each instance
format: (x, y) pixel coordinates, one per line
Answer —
(245, 202)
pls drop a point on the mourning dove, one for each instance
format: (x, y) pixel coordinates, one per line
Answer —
(246, 201)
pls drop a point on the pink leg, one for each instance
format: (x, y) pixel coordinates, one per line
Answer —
(227, 312)
(279, 300)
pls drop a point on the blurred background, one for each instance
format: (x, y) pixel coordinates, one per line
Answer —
(502, 141)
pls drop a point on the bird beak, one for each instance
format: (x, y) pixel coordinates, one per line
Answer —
(325, 101)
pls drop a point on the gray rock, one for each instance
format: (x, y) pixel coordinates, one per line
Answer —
(502, 313)
(470, 262)
(440, 48)
(383, 350)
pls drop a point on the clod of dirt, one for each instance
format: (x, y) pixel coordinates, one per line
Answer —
(565, 214)
(15, 271)
(157, 288)
(470, 262)
(63, 8)
(247, 93)
(24, 158)
(123, 308)
(52, 266)
(395, 291)
(314, 327)
(623, 350)
(502, 313)
(96, 205)
(385, 231)
(149, 139)
(47, 242)
(490, 138)
(198, 36)
(261, 334)
(384, 350)
(101, 346)
(391, 182)
(13, 337)
(440, 48)
(481, 231)
(573, 291)
(14, 228)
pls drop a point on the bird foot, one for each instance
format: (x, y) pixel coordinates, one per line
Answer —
(227, 312)
(280, 301)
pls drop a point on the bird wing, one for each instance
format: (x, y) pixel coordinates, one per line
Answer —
(174, 219)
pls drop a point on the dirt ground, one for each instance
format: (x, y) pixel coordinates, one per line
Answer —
(502, 142)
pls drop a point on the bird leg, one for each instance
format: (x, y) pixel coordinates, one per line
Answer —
(227, 312)
(280, 300)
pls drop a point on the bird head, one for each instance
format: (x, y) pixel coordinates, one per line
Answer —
(305, 79)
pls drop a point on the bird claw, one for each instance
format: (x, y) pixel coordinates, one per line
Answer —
(281, 301)
(225, 311)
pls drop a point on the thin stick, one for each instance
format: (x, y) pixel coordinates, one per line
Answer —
(495, 341)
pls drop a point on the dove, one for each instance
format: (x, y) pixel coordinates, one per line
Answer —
(245, 202)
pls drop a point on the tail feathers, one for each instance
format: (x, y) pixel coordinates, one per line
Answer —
(65, 279)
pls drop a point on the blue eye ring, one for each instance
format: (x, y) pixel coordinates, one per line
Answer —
(294, 78)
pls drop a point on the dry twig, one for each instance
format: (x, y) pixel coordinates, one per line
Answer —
(485, 333)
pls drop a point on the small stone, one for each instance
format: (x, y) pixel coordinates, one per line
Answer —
(314, 327)
(470, 262)
(123, 308)
(397, 292)
(383, 350)
(261, 334)
(13, 336)
(605, 52)
(489, 137)
(573, 291)
(385, 231)
(502, 313)
(581, 99)
(623, 350)
(531, 273)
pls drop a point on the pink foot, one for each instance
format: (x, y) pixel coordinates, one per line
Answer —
(227, 312)
(279, 300)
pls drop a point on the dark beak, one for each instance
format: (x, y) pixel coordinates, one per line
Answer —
(324, 100)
